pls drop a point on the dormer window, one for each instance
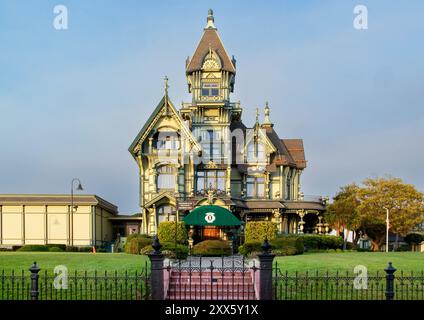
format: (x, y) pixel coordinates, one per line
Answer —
(256, 152)
(210, 89)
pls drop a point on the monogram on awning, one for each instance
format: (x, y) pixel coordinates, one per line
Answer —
(211, 216)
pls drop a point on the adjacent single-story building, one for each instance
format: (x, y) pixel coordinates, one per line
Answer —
(48, 219)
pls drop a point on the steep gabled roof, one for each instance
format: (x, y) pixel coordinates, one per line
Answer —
(165, 105)
(283, 155)
(210, 39)
(297, 151)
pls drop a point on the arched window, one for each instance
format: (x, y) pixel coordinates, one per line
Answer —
(288, 184)
(166, 177)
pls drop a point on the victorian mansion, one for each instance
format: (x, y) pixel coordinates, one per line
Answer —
(204, 165)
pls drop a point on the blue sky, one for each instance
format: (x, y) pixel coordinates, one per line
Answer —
(72, 101)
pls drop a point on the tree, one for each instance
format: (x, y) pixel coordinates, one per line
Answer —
(405, 204)
(342, 213)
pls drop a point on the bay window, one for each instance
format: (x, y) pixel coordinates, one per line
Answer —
(166, 178)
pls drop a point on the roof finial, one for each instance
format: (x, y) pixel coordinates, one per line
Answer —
(166, 86)
(257, 116)
(267, 121)
(210, 20)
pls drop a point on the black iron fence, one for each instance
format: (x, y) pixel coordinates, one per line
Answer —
(36, 285)
(386, 285)
(200, 278)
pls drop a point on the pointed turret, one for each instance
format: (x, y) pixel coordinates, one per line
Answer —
(210, 40)
(211, 71)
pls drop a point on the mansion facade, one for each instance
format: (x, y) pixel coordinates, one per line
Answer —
(205, 154)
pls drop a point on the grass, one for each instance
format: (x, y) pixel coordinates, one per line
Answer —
(80, 262)
(289, 287)
(91, 276)
(346, 261)
(312, 282)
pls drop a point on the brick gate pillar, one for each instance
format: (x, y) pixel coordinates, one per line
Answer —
(265, 272)
(156, 274)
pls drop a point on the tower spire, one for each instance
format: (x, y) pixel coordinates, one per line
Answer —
(166, 86)
(210, 19)
(267, 121)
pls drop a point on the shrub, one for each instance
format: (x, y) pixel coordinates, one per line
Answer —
(414, 238)
(169, 249)
(85, 249)
(249, 247)
(56, 249)
(281, 246)
(166, 232)
(135, 242)
(257, 231)
(322, 242)
(295, 243)
(60, 246)
(212, 248)
(34, 248)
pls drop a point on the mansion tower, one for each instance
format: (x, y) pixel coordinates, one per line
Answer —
(204, 154)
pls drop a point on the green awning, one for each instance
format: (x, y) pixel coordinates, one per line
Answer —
(211, 216)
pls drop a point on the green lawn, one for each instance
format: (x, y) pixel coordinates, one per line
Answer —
(80, 262)
(312, 262)
(346, 261)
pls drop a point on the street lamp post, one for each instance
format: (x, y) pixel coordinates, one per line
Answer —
(71, 222)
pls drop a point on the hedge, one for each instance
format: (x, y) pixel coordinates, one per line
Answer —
(135, 242)
(43, 248)
(282, 246)
(212, 248)
(166, 232)
(257, 231)
(321, 242)
(169, 249)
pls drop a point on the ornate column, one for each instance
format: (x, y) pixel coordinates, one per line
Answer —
(228, 181)
(153, 181)
(277, 219)
(153, 220)
(267, 183)
(150, 145)
(301, 214)
(177, 176)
